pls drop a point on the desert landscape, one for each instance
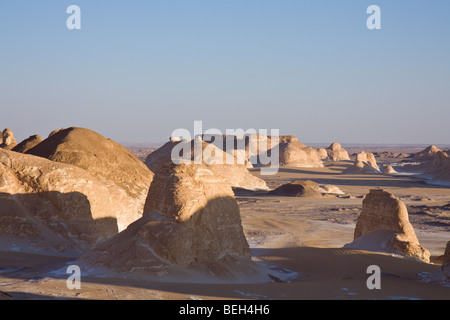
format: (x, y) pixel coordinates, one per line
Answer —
(141, 226)
(188, 153)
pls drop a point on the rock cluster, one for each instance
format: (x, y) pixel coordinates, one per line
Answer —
(364, 163)
(197, 151)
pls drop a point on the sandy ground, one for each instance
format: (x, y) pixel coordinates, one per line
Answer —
(302, 235)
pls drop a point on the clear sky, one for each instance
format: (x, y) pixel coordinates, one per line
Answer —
(139, 69)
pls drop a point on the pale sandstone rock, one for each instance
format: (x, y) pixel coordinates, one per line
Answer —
(46, 205)
(191, 220)
(384, 226)
(101, 157)
(335, 152)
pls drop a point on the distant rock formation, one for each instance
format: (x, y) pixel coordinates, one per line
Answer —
(426, 154)
(56, 207)
(293, 153)
(8, 141)
(323, 154)
(101, 157)
(439, 167)
(387, 169)
(221, 163)
(191, 221)
(305, 188)
(384, 226)
(28, 144)
(364, 163)
(337, 153)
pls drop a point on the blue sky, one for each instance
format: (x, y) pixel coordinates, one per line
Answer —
(137, 70)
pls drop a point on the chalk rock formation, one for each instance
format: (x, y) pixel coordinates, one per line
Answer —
(191, 220)
(101, 157)
(8, 141)
(28, 144)
(364, 163)
(426, 154)
(305, 188)
(198, 151)
(46, 205)
(387, 169)
(384, 226)
(295, 154)
(337, 153)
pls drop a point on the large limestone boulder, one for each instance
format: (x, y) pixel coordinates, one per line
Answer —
(8, 141)
(335, 152)
(191, 221)
(295, 154)
(101, 157)
(384, 226)
(28, 144)
(426, 154)
(223, 164)
(56, 207)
